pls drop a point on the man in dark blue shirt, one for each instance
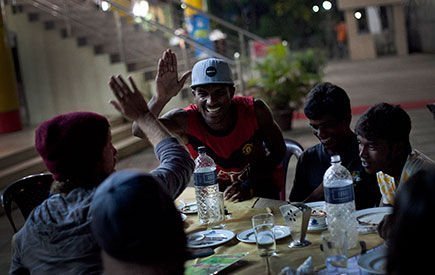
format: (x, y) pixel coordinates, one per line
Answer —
(328, 109)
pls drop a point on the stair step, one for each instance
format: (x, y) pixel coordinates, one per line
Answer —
(17, 157)
(121, 132)
(130, 146)
(31, 166)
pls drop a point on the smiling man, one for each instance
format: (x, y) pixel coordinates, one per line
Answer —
(327, 107)
(238, 132)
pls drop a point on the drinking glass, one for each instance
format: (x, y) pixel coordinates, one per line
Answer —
(215, 210)
(335, 250)
(264, 235)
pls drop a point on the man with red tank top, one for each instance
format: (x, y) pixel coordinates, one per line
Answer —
(238, 132)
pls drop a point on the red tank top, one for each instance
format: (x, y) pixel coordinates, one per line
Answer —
(232, 152)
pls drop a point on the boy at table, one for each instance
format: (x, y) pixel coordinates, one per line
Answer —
(383, 137)
(137, 225)
(411, 238)
(327, 108)
(239, 133)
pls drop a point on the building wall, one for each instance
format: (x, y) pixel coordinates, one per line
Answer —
(362, 45)
(58, 76)
(425, 16)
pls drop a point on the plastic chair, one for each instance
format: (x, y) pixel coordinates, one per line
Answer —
(27, 193)
(431, 108)
(293, 148)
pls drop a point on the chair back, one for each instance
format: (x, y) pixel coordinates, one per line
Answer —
(293, 148)
(26, 193)
(431, 108)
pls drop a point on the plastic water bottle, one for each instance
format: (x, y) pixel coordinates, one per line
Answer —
(340, 201)
(205, 181)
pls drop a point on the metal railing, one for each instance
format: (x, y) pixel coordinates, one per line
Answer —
(114, 32)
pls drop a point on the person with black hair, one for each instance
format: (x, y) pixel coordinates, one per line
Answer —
(383, 137)
(384, 146)
(137, 225)
(239, 132)
(327, 107)
(407, 252)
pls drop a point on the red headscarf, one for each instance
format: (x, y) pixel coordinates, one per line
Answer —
(72, 144)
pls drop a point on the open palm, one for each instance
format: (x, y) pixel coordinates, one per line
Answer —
(168, 84)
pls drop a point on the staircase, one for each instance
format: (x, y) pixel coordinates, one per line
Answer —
(134, 41)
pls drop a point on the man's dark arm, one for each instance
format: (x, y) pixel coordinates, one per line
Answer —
(270, 131)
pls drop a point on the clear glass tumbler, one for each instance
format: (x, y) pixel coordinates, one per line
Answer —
(265, 237)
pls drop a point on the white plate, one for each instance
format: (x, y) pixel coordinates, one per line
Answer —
(373, 215)
(316, 229)
(187, 207)
(374, 262)
(368, 219)
(208, 238)
(248, 236)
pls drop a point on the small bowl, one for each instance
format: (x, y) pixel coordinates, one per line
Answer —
(318, 218)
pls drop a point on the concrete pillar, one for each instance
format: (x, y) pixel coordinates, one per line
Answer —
(400, 30)
(9, 104)
(361, 46)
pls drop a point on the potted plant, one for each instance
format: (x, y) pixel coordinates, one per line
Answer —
(284, 78)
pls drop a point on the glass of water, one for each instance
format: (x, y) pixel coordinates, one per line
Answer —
(265, 237)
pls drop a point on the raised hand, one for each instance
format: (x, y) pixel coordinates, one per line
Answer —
(168, 84)
(130, 102)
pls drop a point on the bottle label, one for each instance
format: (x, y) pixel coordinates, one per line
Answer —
(205, 179)
(336, 195)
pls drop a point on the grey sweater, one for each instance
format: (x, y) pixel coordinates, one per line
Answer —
(57, 239)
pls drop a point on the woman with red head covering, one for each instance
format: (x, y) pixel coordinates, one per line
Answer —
(78, 151)
(56, 238)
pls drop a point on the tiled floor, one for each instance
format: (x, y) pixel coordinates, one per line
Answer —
(406, 80)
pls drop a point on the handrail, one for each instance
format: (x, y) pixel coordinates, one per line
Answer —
(133, 54)
(57, 11)
(224, 23)
(171, 32)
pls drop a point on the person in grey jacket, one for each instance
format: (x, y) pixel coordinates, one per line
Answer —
(77, 150)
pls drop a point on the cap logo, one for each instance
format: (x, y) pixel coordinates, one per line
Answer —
(210, 71)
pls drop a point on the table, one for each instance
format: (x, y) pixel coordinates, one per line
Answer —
(240, 220)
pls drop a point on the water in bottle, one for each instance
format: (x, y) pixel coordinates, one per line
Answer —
(340, 201)
(205, 181)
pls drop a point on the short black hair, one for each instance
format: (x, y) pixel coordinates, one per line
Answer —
(384, 121)
(327, 99)
(135, 220)
(412, 214)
